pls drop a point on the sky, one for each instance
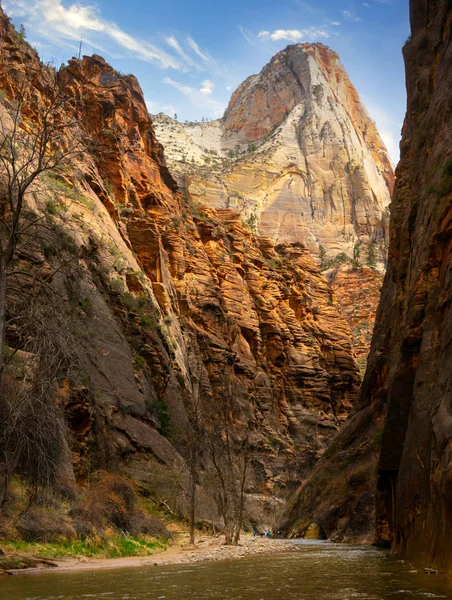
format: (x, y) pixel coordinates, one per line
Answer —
(190, 55)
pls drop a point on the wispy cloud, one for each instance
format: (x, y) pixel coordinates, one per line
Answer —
(201, 97)
(351, 16)
(250, 38)
(174, 44)
(294, 35)
(309, 8)
(60, 24)
(196, 49)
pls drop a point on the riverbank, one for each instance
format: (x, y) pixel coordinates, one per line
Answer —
(207, 548)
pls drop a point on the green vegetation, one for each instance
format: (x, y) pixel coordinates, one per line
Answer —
(107, 519)
(252, 222)
(338, 260)
(117, 285)
(139, 362)
(109, 188)
(60, 187)
(445, 184)
(53, 207)
(163, 414)
(371, 255)
(356, 254)
(275, 262)
(148, 321)
(342, 258)
(112, 547)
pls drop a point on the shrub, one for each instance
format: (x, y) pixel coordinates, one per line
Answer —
(163, 414)
(44, 525)
(117, 285)
(112, 501)
(52, 207)
(139, 362)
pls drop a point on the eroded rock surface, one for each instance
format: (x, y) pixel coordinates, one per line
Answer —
(296, 153)
(177, 306)
(388, 474)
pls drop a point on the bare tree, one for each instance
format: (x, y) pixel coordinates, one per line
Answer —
(36, 136)
(32, 429)
(195, 443)
(229, 451)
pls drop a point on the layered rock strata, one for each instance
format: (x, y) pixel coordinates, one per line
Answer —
(357, 289)
(296, 153)
(392, 459)
(177, 309)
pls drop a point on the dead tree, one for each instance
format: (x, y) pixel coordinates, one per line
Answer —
(37, 136)
(228, 448)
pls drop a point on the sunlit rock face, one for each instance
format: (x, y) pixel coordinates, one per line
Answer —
(296, 153)
(178, 305)
(387, 477)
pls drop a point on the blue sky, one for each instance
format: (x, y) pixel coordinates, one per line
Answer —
(189, 55)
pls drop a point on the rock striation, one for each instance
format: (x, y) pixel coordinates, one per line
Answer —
(296, 153)
(392, 458)
(183, 323)
(357, 290)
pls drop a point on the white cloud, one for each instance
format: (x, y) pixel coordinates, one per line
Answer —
(207, 87)
(350, 16)
(335, 23)
(294, 35)
(56, 23)
(229, 87)
(199, 97)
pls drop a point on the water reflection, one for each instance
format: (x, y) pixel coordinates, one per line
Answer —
(316, 571)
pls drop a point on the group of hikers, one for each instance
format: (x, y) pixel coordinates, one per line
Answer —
(267, 534)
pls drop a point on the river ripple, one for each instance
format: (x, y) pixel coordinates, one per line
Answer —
(314, 572)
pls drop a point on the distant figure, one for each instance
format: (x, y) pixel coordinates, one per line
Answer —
(268, 534)
(280, 534)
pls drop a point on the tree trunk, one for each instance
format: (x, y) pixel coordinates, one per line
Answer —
(241, 502)
(3, 283)
(192, 506)
(9, 466)
(228, 533)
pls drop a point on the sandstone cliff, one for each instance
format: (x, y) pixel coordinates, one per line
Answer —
(404, 411)
(296, 153)
(176, 311)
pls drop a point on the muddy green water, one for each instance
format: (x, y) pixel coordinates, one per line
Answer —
(314, 572)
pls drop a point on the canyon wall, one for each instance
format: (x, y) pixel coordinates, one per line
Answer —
(296, 153)
(185, 328)
(392, 461)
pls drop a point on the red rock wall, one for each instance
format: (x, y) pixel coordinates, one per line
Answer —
(181, 303)
(394, 455)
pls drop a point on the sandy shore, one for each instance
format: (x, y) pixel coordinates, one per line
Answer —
(207, 548)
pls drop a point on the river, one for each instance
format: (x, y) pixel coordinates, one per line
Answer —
(315, 572)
